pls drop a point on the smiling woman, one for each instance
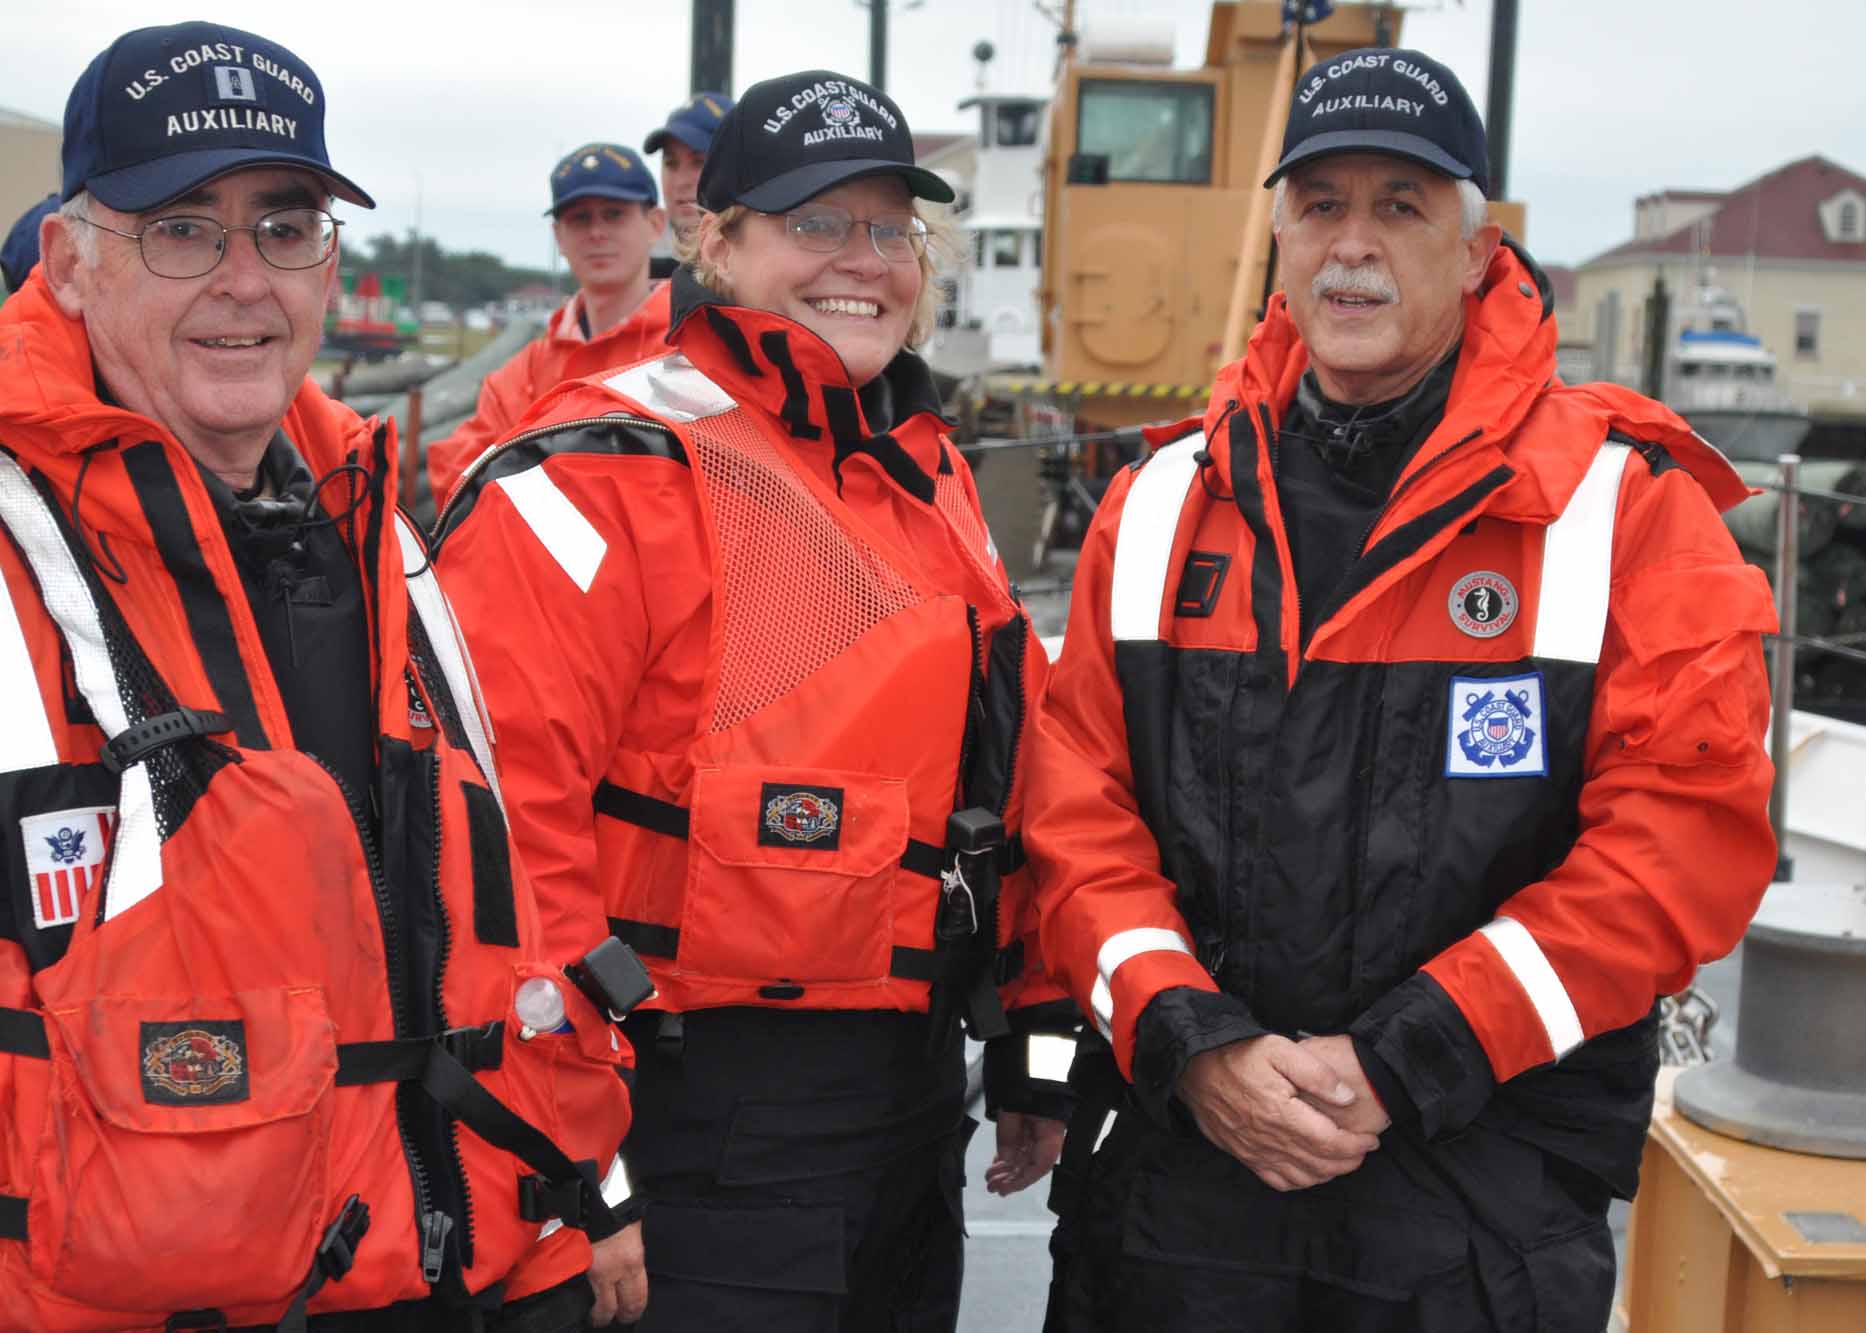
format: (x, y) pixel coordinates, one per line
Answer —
(761, 686)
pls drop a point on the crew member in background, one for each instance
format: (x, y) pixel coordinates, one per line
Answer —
(605, 215)
(683, 144)
(21, 249)
(1406, 746)
(762, 687)
(261, 928)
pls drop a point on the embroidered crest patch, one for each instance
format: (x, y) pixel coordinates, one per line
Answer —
(1495, 727)
(800, 817)
(1483, 604)
(199, 1062)
(65, 858)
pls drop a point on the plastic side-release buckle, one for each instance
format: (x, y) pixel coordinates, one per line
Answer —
(145, 738)
(477, 1048)
(336, 1253)
(540, 1199)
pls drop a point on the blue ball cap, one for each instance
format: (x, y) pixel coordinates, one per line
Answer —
(1379, 100)
(21, 250)
(164, 110)
(693, 122)
(601, 171)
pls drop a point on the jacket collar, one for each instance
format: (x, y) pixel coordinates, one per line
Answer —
(766, 361)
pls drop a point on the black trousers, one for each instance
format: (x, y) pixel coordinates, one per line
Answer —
(559, 1309)
(802, 1172)
(1486, 1234)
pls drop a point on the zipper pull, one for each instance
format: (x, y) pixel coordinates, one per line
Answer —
(436, 1226)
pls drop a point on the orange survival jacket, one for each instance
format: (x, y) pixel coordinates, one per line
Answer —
(227, 1002)
(1511, 789)
(746, 658)
(563, 353)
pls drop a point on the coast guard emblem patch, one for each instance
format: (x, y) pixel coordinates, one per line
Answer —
(65, 858)
(1494, 727)
(800, 816)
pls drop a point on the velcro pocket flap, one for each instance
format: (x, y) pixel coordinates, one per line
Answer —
(800, 818)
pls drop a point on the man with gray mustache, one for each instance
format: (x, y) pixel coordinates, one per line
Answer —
(1404, 748)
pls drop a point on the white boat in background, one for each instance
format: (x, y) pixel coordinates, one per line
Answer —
(1721, 379)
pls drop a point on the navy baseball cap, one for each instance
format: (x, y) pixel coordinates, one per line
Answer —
(790, 139)
(694, 122)
(1381, 100)
(600, 171)
(21, 250)
(164, 110)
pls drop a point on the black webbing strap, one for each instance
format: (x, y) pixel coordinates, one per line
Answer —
(664, 817)
(22, 1032)
(907, 963)
(407, 1059)
(336, 1253)
(12, 1217)
(644, 937)
(145, 738)
(452, 1084)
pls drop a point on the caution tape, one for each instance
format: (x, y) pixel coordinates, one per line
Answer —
(1098, 389)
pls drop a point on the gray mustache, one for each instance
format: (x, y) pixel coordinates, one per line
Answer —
(1340, 280)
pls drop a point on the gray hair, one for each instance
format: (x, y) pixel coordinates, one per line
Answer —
(75, 212)
(1471, 207)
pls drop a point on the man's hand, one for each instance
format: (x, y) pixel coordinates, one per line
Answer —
(1363, 1115)
(1028, 1146)
(1248, 1099)
(620, 1277)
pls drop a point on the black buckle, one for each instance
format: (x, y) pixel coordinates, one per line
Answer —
(336, 1253)
(670, 1036)
(477, 1048)
(145, 738)
(540, 1200)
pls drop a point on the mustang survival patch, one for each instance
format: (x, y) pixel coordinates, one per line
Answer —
(1495, 727)
(793, 816)
(197, 1062)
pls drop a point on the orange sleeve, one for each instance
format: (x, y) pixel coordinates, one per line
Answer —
(1675, 848)
(1110, 929)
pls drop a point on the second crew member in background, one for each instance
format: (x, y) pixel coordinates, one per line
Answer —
(683, 144)
(606, 216)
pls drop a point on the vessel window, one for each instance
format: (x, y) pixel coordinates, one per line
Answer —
(978, 249)
(1689, 369)
(1808, 333)
(1147, 131)
(1005, 249)
(1036, 249)
(1016, 126)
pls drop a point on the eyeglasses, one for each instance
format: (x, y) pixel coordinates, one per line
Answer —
(187, 247)
(899, 238)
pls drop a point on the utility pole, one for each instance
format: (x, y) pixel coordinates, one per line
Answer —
(1502, 94)
(712, 47)
(878, 44)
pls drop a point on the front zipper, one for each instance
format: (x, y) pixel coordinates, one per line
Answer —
(444, 947)
(486, 457)
(392, 958)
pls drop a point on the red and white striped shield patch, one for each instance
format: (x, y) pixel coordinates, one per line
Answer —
(65, 859)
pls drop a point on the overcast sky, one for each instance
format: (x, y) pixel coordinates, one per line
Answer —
(461, 108)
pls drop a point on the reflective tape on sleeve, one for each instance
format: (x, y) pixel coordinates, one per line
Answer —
(1144, 541)
(437, 618)
(1049, 1055)
(1526, 961)
(1115, 951)
(1577, 564)
(672, 388)
(572, 540)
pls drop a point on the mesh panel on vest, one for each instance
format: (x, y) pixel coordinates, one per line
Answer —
(952, 501)
(795, 589)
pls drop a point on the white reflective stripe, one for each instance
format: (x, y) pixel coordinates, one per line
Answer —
(1116, 950)
(1143, 543)
(437, 618)
(26, 740)
(615, 1185)
(136, 854)
(1577, 564)
(674, 388)
(1049, 1055)
(574, 543)
(66, 595)
(1525, 959)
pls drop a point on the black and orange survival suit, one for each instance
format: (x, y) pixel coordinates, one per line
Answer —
(761, 689)
(1508, 790)
(238, 990)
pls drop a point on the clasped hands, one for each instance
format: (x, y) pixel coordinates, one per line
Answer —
(1295, 1113)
